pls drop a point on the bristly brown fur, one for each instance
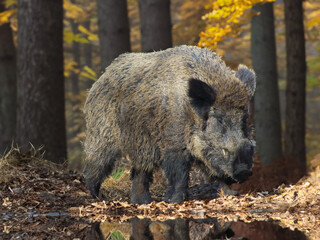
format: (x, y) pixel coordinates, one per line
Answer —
(140, 108)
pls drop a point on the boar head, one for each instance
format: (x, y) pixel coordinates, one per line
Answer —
(221, 137)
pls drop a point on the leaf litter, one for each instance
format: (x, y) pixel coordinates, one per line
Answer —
(42, 200)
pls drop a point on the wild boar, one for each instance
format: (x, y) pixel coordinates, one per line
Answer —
(169, 109)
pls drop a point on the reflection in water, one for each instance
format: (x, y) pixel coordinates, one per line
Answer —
(195, 229)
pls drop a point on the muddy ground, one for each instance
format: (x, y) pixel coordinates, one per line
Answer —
(40, 200)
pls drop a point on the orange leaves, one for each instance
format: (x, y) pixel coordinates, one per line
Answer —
(6, 15)
(225, 19)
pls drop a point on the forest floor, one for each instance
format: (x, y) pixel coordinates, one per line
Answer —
(41, 200)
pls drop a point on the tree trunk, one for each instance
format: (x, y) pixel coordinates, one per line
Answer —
(294, 139)
(41, 112)
(114, 32)
(87, 52)
(87, 49)
(155, 21)
(266, 101)
(76, 58)
(8, 86)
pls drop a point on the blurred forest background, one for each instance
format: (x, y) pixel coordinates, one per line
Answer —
(58, 49)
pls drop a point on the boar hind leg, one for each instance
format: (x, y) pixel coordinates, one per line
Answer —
(140, 186)
(98, 166)
(177, 170)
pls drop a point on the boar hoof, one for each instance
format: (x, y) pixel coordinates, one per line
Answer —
(168, 194)
(93, 188)
(177, 197)
(145, 199)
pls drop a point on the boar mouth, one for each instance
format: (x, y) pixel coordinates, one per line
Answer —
(227, 180)
(241, 172)
(242, 175)
(237, 172)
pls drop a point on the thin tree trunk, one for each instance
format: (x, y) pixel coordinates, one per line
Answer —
(156, 25)
(266, 101)
(8, 86)
(41, 111)
(87, 48)
(87, 52)
(76, 58)
(114, 32)
(294, 139)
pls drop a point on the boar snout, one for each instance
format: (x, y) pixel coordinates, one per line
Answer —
(243, 165)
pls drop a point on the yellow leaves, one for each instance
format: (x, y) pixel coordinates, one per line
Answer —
(70, 37)
(79, 12)
(89, 73)
(313, 17)
(91, 36)
(69, 67)
(315, 21)
(73, 67)
(72, 10)
(6, 15)
(225, 20)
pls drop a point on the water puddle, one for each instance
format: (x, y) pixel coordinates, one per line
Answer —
(55, 225)
(193, 229)
(32, 215)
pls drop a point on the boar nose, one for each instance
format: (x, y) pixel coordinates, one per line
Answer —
(243, 164)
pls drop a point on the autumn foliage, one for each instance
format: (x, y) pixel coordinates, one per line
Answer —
(225, 18)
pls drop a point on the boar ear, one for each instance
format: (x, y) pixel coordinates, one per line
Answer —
(202, 96)
(248, 77)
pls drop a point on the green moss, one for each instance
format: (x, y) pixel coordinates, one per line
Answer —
(116, 236)
(117, 173)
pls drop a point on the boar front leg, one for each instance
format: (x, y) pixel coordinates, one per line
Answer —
(140, 193)
(176, 168)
